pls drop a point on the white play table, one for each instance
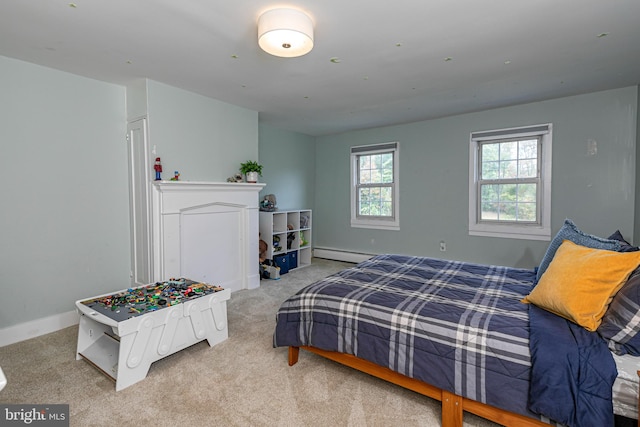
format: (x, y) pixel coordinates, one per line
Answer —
(123, 342)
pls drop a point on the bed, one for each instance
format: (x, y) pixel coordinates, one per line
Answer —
(459, 332)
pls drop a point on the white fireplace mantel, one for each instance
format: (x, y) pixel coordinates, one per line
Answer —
(206, 231)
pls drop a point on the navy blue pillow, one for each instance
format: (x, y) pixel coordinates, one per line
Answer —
(570, 231)
(624, 245)
(621, 323)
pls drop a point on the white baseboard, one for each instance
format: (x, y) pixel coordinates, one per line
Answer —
(35, 328)
(340, 255)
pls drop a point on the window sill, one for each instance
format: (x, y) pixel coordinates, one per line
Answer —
(378, 225)
(511, 232)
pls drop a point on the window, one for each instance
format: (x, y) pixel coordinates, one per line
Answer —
(374, 186)
(510, 183)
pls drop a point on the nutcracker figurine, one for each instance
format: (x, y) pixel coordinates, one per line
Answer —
(158, 168)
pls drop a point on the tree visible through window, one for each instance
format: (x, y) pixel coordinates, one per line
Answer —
(510, 182)
(374, 189)
(375, 185)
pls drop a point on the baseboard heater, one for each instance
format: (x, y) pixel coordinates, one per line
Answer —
(340, 255)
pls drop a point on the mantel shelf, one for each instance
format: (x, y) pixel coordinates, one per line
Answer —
(204, 185)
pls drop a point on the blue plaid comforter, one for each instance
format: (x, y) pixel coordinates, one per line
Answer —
(458, 326)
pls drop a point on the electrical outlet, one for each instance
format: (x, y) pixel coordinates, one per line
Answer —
(443, 246)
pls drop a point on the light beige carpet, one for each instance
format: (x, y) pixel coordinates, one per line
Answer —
(243, 381)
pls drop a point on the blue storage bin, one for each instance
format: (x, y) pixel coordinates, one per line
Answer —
(293, 259)
(282, 261)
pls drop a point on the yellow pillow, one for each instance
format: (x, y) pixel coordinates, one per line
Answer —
(580, 282)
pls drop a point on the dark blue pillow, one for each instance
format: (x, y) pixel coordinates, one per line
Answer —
(624, 245)
(621, 323)
(570, 231)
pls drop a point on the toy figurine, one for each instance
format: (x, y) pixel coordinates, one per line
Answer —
(269, 203)
(158, 168)
(235, 178)
(176, 176)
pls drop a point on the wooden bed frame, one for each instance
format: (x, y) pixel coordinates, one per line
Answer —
(453, 405)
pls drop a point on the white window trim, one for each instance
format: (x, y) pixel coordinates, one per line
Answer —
(513, 231)
(381, 224)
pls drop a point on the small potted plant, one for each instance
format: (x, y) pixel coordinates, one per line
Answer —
(251, 170)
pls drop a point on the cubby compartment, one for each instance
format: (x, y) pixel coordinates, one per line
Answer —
(279, 221)
(304, 238)
(293, 220)
(304, 257)
(305, 219)
(278, 243)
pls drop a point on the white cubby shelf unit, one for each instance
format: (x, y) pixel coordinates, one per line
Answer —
(287, 231)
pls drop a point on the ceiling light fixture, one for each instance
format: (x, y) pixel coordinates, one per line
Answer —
(285, 32)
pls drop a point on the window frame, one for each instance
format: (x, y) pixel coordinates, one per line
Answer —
(541, 229)
(383, 223)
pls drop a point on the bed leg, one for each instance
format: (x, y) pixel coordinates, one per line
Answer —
(293, 355)
(451, 410)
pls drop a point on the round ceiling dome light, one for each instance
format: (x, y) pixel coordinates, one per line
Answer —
(285, 32)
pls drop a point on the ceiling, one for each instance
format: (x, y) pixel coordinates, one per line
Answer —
(374, 63)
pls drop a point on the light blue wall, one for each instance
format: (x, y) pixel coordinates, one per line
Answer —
(597, 192)
(288, 161)
(64, 221)
(202, 138)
